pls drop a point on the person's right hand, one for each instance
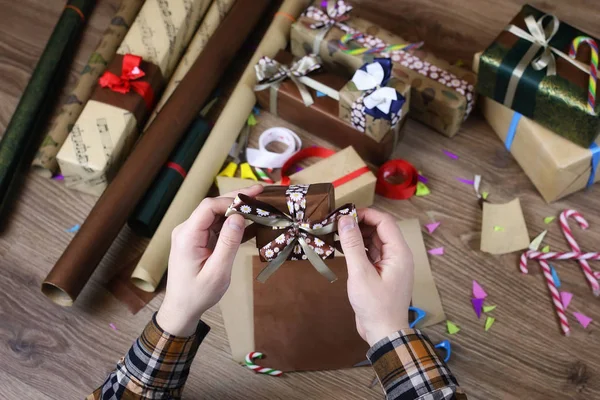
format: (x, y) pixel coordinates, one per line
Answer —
(380, 284)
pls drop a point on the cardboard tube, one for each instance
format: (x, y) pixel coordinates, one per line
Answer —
(82, 256)
(200, 178)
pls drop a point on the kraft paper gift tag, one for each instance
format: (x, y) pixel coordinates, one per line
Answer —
(503, 228)
(425, 294)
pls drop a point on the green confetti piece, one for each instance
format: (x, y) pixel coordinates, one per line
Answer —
(489, 321)
(546, 249)
(487, 309)
(422, 190)
(252, 120)
(452, 327)
(548, 220)
(485, 195)
(498, 229)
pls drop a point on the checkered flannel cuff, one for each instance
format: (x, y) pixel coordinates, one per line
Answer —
(408, 367)
(160, 360)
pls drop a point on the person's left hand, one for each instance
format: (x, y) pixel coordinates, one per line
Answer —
(203, 249)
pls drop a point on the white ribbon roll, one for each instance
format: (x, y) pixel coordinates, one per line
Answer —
(381, 97)
(263, 158)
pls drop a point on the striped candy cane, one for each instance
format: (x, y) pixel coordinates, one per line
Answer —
(538, 255)
(593, 67)
(250, 357)
(558, 305)
(263, 175)
(585, 266)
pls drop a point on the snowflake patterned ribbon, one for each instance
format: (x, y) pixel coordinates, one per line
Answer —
(378, 101)
(270, 74)
(300, 237)
(404, 58)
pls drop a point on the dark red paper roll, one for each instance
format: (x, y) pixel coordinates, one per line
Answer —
(82, 256)
(400, 170)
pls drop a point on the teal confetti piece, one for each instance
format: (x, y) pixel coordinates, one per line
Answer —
(73, 229)
(555, 277)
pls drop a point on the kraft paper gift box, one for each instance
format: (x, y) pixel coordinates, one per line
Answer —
(549, 86)
(556, 166)
(441, 94)
(322, 117)
(359, 190)
(109, 124)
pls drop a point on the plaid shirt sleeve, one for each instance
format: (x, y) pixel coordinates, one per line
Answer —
(156, 366)
(408, 368)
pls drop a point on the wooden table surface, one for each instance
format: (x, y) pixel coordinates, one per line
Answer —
(48, 352)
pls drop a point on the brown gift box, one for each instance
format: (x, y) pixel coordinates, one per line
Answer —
(432, 102)
(322, 118)
(556, 166)
(376, 128)
(320, 202)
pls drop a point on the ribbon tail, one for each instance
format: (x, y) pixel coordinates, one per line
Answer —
(273, 91)
(319, 38)
(316, 261)
(276, 263)
(306, 97)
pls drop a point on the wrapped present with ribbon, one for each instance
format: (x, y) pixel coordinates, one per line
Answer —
(556, 166)
(304, 94)
(296, 222)
(441, 95)
(545, 70)
(110, 122)
(371, 101)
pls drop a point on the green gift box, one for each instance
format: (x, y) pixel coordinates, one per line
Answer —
(528, 68)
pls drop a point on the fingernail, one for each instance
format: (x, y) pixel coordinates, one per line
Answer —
(235, 224)
(346, 223)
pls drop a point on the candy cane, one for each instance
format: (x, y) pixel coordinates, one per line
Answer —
(593, 67)
(558, 305)
(263, 175)
(257, 368)
(585, 266)
(538, 255)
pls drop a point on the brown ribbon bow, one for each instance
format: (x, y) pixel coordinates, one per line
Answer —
(299, 239)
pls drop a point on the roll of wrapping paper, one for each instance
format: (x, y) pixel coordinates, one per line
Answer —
(82, 256)
(153, 206)
(214, 16)
(200, 178)
(19, 134)
(44, 163)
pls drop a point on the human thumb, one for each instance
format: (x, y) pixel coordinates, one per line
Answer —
(352, 243)
(228, 243)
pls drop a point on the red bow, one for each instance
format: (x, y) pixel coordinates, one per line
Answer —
(130, 71)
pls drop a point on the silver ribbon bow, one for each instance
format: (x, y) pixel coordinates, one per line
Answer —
(270, 74)
(540, 38)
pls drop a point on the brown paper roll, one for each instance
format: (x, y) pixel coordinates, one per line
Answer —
(200, 178)
(82, 256)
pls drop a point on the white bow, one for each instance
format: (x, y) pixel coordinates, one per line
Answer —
(372, 78)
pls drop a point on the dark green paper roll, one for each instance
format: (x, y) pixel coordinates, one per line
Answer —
(153, 206)
(19, 134)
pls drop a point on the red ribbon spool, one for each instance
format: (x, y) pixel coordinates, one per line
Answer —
(320, 152)
(400, 191)
(130, 71)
